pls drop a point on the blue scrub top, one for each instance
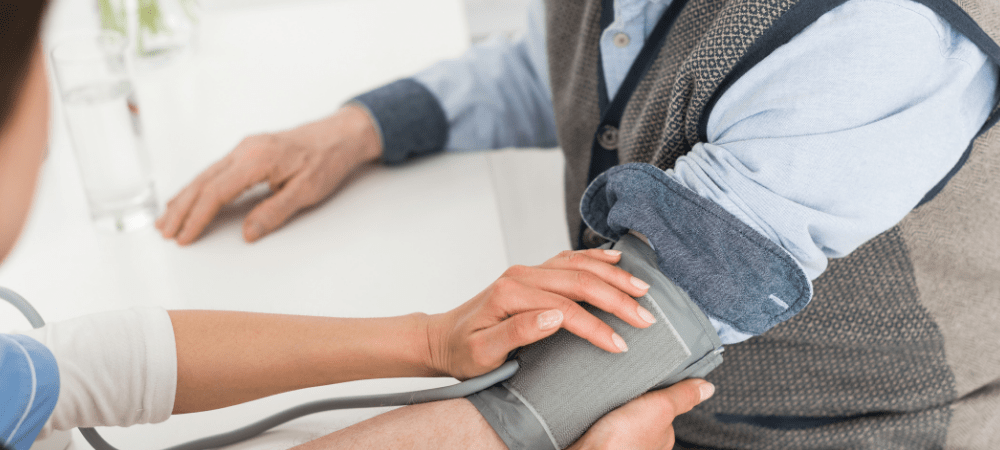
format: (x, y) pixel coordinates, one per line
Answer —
(29, 389)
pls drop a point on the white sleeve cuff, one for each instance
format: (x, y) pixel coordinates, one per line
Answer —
(116, 368)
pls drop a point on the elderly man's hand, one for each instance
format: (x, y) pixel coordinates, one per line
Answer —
(302, 165)
(646, 423)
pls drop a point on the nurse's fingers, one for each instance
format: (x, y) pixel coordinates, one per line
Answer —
(509, 297)
(600, 263)
(584, 286)
(492, 345)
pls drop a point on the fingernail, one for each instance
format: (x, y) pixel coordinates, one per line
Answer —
(646, 315)
(550, 319)
(254, 231)
(707, 390)
(613, 252)
(619, 342)
(639, 283)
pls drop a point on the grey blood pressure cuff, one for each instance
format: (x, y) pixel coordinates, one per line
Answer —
(565, 383)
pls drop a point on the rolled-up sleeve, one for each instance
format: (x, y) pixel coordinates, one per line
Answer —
(826, 143)
(117, 368)
(29, 390)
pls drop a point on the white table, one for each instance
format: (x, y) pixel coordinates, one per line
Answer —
(422, 237)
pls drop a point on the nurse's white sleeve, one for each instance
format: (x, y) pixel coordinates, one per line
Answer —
(116, 368)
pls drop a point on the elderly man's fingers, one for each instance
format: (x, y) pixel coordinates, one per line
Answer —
(647, 421)
(259, 166)
(177, 210)
(681, 397)
(213, 196)
(179, 207)
(272, 213)
(587, 287)
(601, 263)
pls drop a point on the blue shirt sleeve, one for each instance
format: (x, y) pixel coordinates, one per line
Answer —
(29, 389)
(496, 95)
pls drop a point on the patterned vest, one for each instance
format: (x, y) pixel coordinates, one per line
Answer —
(898, 348)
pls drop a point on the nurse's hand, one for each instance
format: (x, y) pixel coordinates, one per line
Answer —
(527, 304)
(303, 166)
(646, 423)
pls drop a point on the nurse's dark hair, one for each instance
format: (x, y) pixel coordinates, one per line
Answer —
(20, 21)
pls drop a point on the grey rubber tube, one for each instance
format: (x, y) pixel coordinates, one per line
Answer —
(459, 390)
(22, 305)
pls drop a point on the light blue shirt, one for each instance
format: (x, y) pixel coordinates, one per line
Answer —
(29, 389)
(824, 144)
(622, 40)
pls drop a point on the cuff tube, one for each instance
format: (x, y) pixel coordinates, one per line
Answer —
(565, 383)
(735, 274)
(409, 118)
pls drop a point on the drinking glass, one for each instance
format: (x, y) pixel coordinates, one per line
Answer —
(103, 119)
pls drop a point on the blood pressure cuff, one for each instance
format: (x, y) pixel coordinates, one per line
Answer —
(565, 383)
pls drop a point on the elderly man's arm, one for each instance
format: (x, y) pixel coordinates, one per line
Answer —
(494, 96)
(826, 143)
(643, 423)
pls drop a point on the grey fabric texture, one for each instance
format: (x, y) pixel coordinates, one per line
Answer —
(514, 422)
(731, 271)
(410, 120)
(866, 351)
(566, 384)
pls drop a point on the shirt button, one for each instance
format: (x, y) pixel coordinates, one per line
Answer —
(607, 137)
(621, 40)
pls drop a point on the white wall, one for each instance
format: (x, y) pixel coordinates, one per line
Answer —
(487, 17)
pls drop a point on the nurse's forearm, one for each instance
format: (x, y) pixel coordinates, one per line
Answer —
(225, 358)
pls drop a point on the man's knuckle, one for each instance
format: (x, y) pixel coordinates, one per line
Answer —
(256, 148)
(302, 191)
(211, 193)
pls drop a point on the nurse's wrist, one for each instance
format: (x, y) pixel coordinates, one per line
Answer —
(434, 351)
